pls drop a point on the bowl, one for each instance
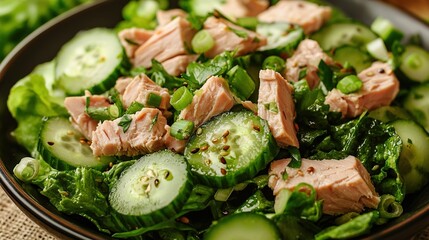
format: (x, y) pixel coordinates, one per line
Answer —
(42, 46)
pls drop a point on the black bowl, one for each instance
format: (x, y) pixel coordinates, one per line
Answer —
(43, 45)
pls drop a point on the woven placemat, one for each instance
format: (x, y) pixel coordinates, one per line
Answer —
(14, 224)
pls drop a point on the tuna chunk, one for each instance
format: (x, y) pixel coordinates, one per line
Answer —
(139, 89)
(306, 57)
(177, 65)
(133, 38)
(343, 185)
(164, 17)
(173, 143)
(167, 42)
(122, 83)
(308, 15)
(380, 87)
(144, 135)
(230, 37)
(243, 8)
(80, 120)
(212, 99)
(275, 104)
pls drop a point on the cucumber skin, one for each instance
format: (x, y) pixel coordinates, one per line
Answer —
(56, 162)
(266, 156)
(171, 211)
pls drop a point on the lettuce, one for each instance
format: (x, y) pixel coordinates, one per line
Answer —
(29, 101)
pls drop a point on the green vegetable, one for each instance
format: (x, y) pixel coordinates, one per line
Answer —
(378, 50)
(240, 81)
(200, 7)
(181, 98)
(202, 42)
(354, 56)
(355, 227)
(275, 63)
(243, 226)
(154, 100)
(248, 22)
(141, 13)
(182, 129)
(415, 63)
(387, 31)
(417, 103)
(389, 113)
(349, 84)
(388, 207)
(282, 38)
(256, 203)
(230, 148)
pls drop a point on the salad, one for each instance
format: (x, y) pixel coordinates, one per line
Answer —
(229, 120)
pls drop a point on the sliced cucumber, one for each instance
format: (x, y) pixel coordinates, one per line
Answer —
(243, 226)
(281, 36)
(417, 103)
(387, 31)
(65, 148)
(414, 159)
(153, 189)
(389, 114)
(359, 59)
(378, 50)
(230, 148)
(92, 61)
(415, 63)
(338, 34)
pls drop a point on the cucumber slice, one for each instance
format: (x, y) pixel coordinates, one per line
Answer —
(337, 34)
(64, 148)
(389, 114)
(230, 148)
(387, 31)
(415, 63)
(414, 159)
(92, 61)
(378, 50)
(243, 226)
(417, 103)
(359, 59)
(153, 189)
(281, 36)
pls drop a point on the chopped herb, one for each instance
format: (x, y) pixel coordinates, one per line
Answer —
(295, 157)
(131, 42)
(285, 175)
(272, 107)
(238, 32)
(134, 107)
(154, 120)
(302, 73)
(325, 74)
(125, 122)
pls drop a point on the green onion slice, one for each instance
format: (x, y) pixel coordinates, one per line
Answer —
(349, 84)
(181, 98)
(182, 129)
(202, 42)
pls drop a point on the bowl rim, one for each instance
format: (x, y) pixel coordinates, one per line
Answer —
(66, 229)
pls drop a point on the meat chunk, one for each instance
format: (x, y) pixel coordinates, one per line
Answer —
(79, 118)
(343, 185)
(244, 8)
(306, 58)
(133, 38)
(173, 143)
(212, 99)
(167, 42)
(122, 83)
(164, 17)
(380, 87)
(275, 104)
(139, 90)
(144, 135)
(177, 65)
(308, 15)
(230, 37)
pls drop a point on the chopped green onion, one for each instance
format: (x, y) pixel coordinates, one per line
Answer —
(222, 194)
(181, 98)
(275, 63)
(202, 42)
(387, 31)
(241, 83)
(134, 107)
(378, 50)
(388, 207)
(248, 22)
(103, 113)
(154, 100)
(182, 129)
(349, 84)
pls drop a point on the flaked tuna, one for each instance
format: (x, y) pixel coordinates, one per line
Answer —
(164, 17)
(167, 42)
(380, 87)
(343, 185)
(230, 37)
(173, 143)
(275, 104)
(177, 65)
(122, 83)
(79, 118)
(243, 8)
(309, 16)
(132, 38)
(306, 58)
(145, 132)
(212, 99)
(139, 90)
